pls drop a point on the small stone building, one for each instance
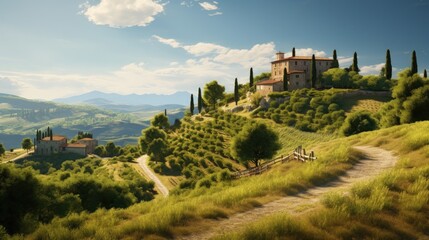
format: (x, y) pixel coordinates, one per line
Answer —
(267, 86)
(58, 144)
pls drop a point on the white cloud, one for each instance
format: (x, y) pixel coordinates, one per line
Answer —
(260, 55)
(215, 14)
(208, 6)
(123, 13)
(169, 41)
(202, 48)
(345, 61)
(307, 52)
(9, 86)
(373, 69)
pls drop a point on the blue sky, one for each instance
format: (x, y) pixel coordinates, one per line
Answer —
(57, 48)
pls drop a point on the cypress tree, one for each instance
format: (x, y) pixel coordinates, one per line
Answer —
(388, 66)
(335, 63)
(355, 63)
(165, 112)
(251, 78)
(200, 101)
(425, 74)
(236, 97)
(191, 105)
(313, 72)
(285, 81)
(293, 52)
(414, 69)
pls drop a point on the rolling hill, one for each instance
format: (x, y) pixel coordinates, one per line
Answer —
(20, 117)
(101, 98)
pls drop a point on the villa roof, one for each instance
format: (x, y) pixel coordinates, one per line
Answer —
(54, 138)
(268, 82)
(86, 139)
(76, 145)
(302, 58)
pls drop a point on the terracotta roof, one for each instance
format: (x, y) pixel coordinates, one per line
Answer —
(295, 71)
(86, 139)
(268, 82)
(76, 145)
(302, 58)
(54, 138)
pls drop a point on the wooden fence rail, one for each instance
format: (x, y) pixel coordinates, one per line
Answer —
(298, 154)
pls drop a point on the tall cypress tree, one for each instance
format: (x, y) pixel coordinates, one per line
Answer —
(335, 63)
(236, 97)
(191, 105)
(388, 66)
(354, 66)
(200, 101)
(251, 78)
(285, 81)
(414, 69)
(293, 52)
(425, 74)
(313, 72)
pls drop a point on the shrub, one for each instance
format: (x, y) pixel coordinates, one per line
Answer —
(358, 122)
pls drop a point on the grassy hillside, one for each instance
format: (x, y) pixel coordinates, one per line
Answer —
(220, 196)
(319, 111)
(402, 203)
(392, 206)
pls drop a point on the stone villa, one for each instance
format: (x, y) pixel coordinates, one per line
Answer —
(58, 144)
(298, 69)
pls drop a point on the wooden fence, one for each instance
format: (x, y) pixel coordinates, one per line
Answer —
(298, 154)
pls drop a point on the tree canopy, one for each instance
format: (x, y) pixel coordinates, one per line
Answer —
(161, 121)
(236, 93)
(335, 63)
(255, 142)
(2, 150)
(414, 68)
(388, 66)
(148, 135)
(26, 144)
(191, 105)
(213, 92)
(358, 122)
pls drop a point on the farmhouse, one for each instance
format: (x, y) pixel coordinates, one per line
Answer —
(298, 69)
(58, 144)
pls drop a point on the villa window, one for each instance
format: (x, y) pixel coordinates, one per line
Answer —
(297, 83)
(305, 63)
(320, 63)
(296, 63)
(296, 76)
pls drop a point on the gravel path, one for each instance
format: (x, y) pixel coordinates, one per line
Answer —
(142, 161)
(376, 161)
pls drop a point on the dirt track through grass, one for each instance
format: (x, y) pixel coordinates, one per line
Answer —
(376, 161)
(142, 162)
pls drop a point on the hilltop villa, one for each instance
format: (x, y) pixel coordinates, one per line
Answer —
(298, 70)
(58, 144)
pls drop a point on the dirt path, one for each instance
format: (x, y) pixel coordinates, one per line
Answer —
(19, 157)
(375, 162)
(142, 162)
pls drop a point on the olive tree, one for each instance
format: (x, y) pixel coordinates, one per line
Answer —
(255, 142)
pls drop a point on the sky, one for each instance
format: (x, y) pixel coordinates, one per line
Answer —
(58, 48)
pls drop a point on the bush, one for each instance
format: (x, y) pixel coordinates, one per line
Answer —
(358, 122)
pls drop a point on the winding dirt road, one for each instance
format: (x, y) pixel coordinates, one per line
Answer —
(142, 161)
(376, 161)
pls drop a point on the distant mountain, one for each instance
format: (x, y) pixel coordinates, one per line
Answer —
(101, 98)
